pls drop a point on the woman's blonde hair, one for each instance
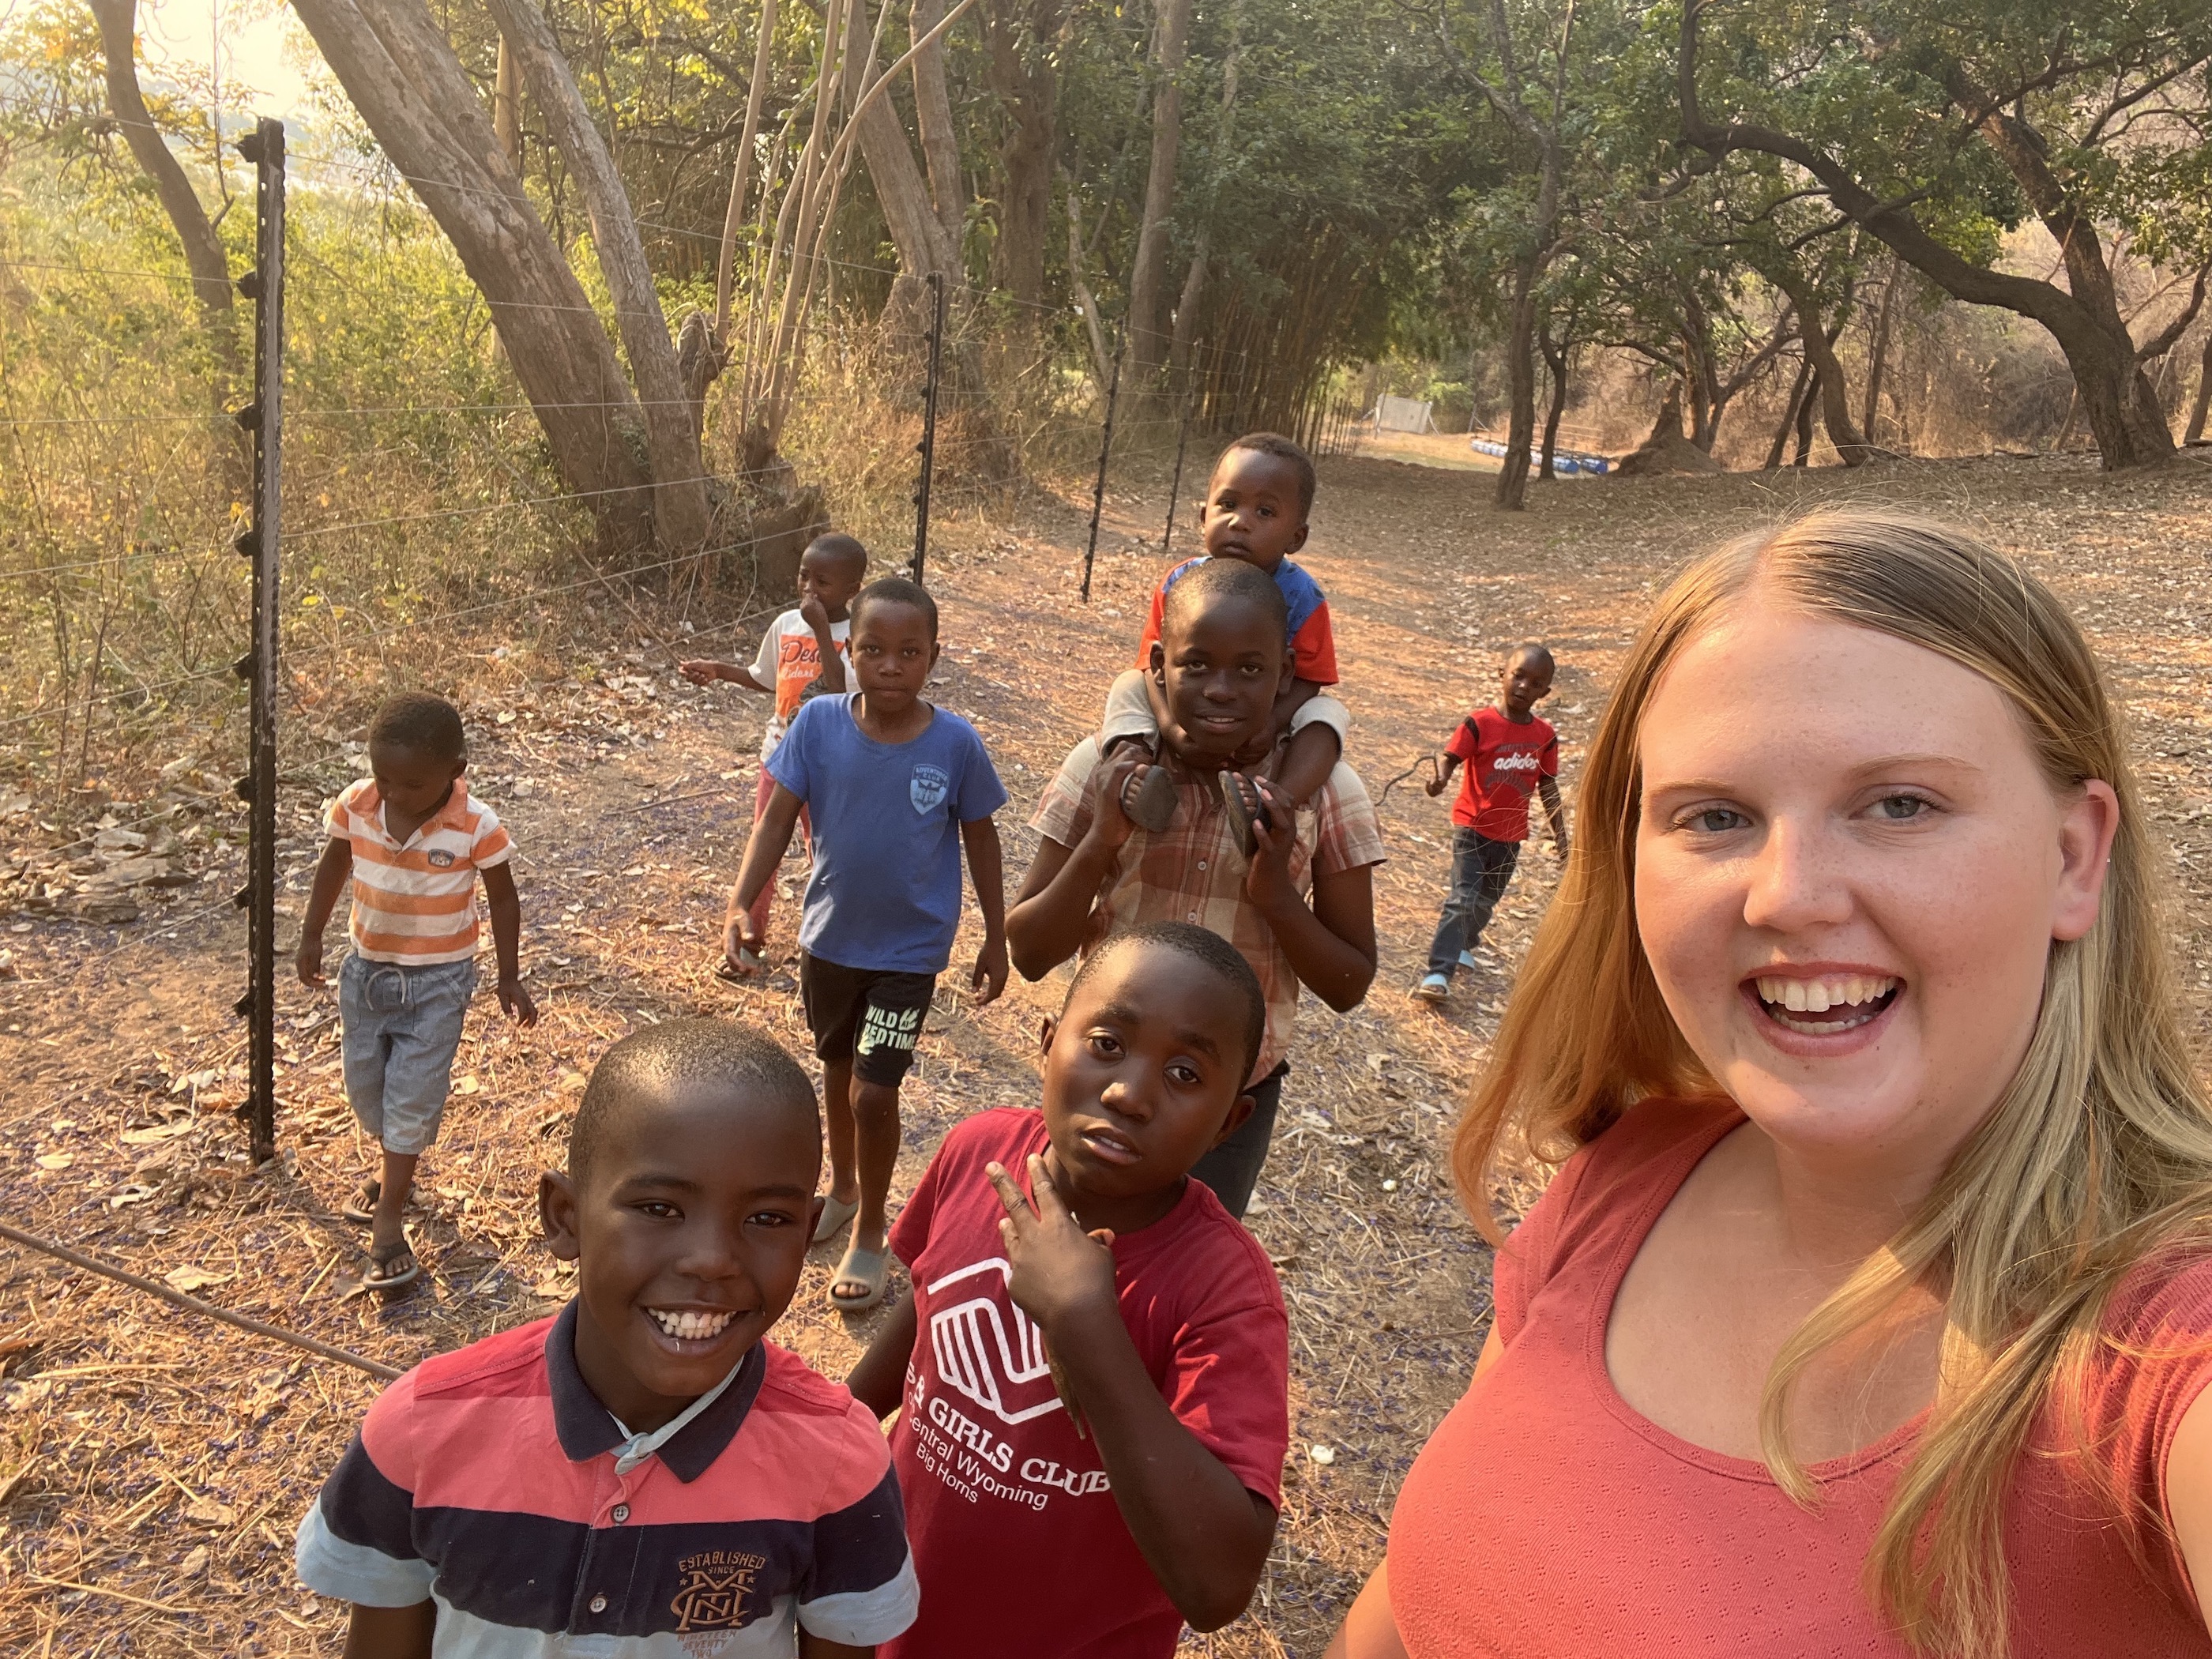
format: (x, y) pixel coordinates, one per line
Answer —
(2099, 1152)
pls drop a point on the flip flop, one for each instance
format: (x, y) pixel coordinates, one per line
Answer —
(1243, 812)
(1151, 805)
(362, 1206)
(727, 969)
(872, 1268)
(388, 1274)
(836, 1212)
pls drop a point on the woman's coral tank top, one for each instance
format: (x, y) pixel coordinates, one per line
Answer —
(1546, 1520)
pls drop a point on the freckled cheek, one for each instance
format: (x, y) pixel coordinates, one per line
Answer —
(1687, 919)
(1974, 928)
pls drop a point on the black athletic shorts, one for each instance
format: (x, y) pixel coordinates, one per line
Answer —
(869, 1016)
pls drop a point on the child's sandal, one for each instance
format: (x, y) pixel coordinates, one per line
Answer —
(1150, 805)
(395, 1266)
(1246, 806)
(361, 1208)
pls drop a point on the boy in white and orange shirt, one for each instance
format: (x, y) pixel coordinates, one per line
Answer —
(413, 842)
(802, 655)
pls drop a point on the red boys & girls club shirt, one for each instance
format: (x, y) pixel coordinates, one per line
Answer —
(1502, 762)
(1018, 1543)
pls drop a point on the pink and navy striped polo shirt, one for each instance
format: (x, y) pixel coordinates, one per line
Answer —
(492, 1481)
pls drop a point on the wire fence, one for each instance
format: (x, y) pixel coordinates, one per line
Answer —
(121, 579)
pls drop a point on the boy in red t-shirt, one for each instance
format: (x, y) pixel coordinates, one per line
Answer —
(1091, 1438)
(1509, 754)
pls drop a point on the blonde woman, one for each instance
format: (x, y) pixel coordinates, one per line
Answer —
(1869, 1314)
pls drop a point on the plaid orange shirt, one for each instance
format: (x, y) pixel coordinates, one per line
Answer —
(1194, 871)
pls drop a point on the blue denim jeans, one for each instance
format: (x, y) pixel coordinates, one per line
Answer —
(399, 1028)
(1481, 868)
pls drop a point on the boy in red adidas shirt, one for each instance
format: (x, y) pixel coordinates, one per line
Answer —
(1093, 1372)
(646, 1474)
(1509, 755)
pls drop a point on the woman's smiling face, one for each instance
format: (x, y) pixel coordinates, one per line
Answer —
(1850, 870)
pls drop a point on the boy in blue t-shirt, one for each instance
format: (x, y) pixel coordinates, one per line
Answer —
(896, 788)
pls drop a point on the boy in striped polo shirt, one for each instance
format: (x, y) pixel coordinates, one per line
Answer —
(645, 1476)
(414, 840)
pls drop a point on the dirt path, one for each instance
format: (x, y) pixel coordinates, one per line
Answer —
(140, 1453)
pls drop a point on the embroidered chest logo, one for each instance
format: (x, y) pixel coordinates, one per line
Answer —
(439, 859)
(928, 788)
(716, 1590)
(986, 1348)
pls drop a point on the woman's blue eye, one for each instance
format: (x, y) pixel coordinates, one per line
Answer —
(1715, 820)
(1900, 809)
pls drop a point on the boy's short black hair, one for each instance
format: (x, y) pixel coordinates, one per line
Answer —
(1283, 449)
(422, 725)
(895, 590)
(1210, 949)
(656, 1062)
(1217, 580)
(845, 550)
(1535, 648)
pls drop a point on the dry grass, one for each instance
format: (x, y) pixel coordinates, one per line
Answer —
(163, 1461)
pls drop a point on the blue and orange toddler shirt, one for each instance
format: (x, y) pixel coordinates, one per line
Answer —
(492, 1481)
(1312, 635)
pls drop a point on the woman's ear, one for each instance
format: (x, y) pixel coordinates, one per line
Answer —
(556, 1214)
(2084, 854)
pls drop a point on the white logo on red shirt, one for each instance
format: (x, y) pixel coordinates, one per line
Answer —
(1005, 1374)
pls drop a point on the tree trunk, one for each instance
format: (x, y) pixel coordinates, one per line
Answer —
(1555, 360)
(1520, 383)
(1879, 351)
(1148, 284)
(1084, 302)
(399, 69)
(203, 255)
(1790, 408)
(2197, 410)
(940, 143)
(916, 232)
(1804, 456)
(1834, 393)
(1023, 77)
(1193, 282)
(741, 174)
(681, 516)
(506, 105)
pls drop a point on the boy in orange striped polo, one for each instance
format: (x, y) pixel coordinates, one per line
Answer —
(414, 840)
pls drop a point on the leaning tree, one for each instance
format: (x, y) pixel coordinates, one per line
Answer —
(2085, 118)
(631, 453)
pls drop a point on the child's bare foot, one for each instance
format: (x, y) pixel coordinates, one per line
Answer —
(1148, 796)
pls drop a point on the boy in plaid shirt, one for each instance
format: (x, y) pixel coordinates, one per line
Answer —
(1299, 905)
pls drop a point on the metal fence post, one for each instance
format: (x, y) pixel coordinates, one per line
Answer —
(1105, 448)
(263, 417)
(927, 447)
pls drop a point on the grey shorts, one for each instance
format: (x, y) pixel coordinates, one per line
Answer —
(400, 1027)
